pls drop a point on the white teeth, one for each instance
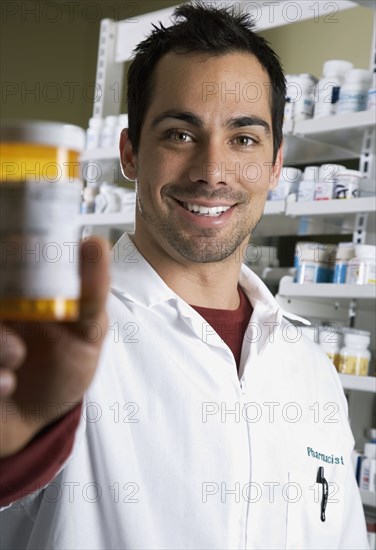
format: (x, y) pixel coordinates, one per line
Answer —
(205, 210)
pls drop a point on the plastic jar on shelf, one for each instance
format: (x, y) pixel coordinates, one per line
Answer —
(39, 220)
(355, 355)
(316, 263)
(328, 87)
(307, 185)
(354, 92)
(300, 91)
(347, 184)
(361, 269)
(368, 468)
(107, 138)
(371, 96)
(328, 177)
(330, 342)
(288, 182)
(93, 133)
(345, 253)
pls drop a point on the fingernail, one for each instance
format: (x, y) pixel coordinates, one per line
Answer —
(6, 383)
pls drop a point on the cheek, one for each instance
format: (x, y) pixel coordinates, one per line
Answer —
(257, 175)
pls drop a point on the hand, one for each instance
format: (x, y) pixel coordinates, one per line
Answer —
(45, 368)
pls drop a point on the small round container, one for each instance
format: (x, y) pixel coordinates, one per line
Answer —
(93, 133)
(328, 174)
(345, 253)
(107, 137)
(328, 87)
(307, 185)
(39, 220)
(371, 96)
(300, 90)
(330, 342)
(347, 184)
(316, 263)
(288, 182)
(355, 355)
(362, 268)
(354, 92)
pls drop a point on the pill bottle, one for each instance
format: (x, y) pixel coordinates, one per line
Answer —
(39, 220)
(291, 93)
(107, 137)
(304, 97)
(347, 184)
(298, 256)
(88, 200)
(361, 269)
(328, 87)
(353, 94)
(371, 96)
(355, 355)
(316, 264)
(306, 191)
(288, 182)
(345, 253)
(368, 468)
(93, 133)
(330, 342)
(325, 186)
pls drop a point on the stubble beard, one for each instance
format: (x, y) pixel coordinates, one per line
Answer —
(204, 248)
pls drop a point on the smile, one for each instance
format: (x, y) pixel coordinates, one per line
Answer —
(213, 211)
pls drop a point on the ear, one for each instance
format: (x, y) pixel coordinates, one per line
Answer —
(127, 157)
(276, 169)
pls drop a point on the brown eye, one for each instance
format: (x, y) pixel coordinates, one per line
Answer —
(245, 141)
(179, 136)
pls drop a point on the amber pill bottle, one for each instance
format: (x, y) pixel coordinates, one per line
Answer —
(40, 197)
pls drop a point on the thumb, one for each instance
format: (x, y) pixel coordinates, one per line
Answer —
(95, 278)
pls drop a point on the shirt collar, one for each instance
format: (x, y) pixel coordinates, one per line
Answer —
(140, 283)
(133, 276)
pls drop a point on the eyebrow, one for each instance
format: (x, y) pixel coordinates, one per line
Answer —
(195, 120)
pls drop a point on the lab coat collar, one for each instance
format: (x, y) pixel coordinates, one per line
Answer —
(141, 284)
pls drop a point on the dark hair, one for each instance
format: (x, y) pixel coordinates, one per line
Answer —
(208, 30)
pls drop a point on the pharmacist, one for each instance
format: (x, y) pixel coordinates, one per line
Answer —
(210, 423)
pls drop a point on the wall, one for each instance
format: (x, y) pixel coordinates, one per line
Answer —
(49, 54)
(304, 46)
(49, 51)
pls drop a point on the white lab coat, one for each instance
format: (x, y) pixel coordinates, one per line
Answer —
(175, 452)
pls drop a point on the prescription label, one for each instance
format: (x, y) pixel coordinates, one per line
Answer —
(39, 241)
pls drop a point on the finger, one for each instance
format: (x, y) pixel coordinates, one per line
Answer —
(12, 348)
(95, 277)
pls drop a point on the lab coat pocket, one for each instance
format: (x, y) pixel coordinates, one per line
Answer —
(315, 501)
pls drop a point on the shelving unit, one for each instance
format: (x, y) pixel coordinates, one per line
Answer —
(358, 383)
(327, 138)
(314, 291)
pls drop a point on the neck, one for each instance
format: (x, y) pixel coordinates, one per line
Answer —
(212, 285)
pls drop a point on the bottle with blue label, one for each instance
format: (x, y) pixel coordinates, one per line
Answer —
(316, 263)
(345, 252)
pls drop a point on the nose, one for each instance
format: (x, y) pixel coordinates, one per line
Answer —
(209, 165)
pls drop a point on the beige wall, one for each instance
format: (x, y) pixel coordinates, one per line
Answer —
(304, 46)
(53, 52)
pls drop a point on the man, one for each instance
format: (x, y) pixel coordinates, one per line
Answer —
(204, 425)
